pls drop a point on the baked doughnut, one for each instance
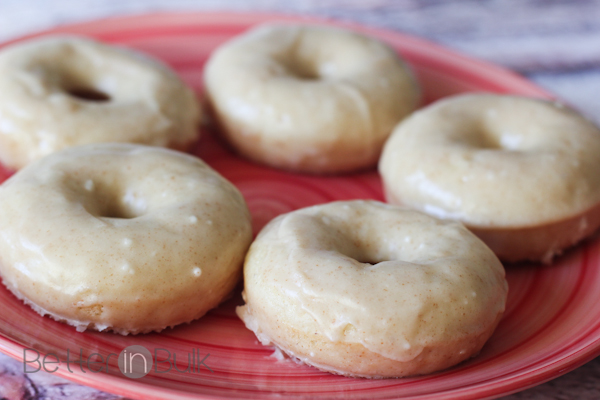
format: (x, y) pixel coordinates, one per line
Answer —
(521, 173)
(362, 288)
(121, 237)
(65, 91)
(308, 98)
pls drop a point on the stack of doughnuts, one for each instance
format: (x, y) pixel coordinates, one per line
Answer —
(144, 238)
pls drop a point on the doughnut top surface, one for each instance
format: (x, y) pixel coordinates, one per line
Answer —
(494, 161)
(63, 91)
(121, 236)
(309, 98)
(394, 280)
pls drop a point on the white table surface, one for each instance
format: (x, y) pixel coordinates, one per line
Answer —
(554, 43)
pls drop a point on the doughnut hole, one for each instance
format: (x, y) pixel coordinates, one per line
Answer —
(103, 195)
(355, 245)
(90, 80)
(370, 246)
(301, 69)
(119, 205)
(78, 81)
(499, 128)
(80, 86)
(474, 134)
(311, 58)
(88, 94)
(525, 129)
(100, 199)
(485, 138)
(298, 65)
(107, 193)
(112, 192)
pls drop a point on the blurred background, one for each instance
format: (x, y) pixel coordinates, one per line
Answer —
(555, 43)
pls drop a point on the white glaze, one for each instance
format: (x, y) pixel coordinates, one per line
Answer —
(521, 173)
(101, 260)
(309, 98)
(494, 161)
(311, 271)
(148, 102)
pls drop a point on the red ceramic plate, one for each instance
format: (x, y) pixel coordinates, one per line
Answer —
(552, 323)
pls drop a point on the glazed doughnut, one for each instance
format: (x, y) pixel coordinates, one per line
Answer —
(521, 173)
(64, 91)
(309, 98)
(121, 237)
(366, 289)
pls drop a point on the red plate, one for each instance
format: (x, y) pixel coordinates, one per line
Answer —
(552, 323)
